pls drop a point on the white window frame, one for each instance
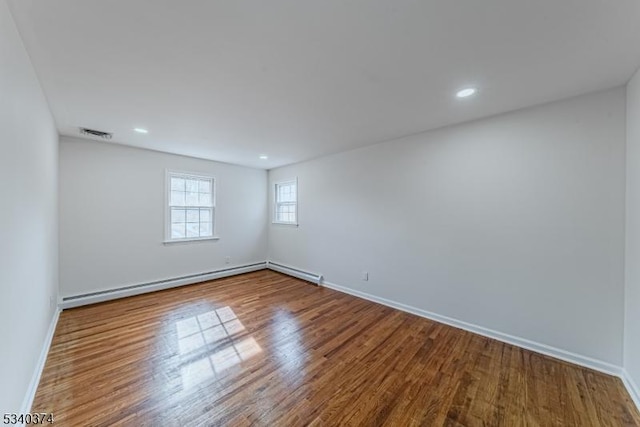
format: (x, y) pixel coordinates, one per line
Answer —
(275, 202)
(167, 205)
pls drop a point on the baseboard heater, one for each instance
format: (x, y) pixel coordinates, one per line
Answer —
(142, 288)
(300, 274)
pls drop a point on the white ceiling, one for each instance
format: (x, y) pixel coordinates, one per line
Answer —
(297, 79)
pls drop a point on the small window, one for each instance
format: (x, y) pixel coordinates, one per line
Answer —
(191, 207)
(286, 202)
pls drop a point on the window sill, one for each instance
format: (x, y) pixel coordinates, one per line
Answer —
(189, 240)
(290, 224)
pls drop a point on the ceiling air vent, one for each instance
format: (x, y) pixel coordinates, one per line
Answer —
(96, 133)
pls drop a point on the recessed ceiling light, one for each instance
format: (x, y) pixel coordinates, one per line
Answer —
(464, 93)
(140, 130)
(263, 157)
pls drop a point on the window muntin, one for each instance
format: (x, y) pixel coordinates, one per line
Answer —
(286, 202)
(191, 206)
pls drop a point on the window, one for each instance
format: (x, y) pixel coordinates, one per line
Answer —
(286, 202)
(191, 207)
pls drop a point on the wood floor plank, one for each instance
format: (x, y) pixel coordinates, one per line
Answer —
(266, 349)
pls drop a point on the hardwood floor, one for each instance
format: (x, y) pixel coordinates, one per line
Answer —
(266, 349)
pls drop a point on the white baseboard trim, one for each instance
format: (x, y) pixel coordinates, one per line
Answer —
(632, 387)
(27, 402)
(143, 288)
(295, 272)
(557, 353)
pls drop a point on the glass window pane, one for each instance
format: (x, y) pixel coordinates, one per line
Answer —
(177, 215)
(286, 192)
(205, 186)
(177, 184)
(193, 230)
(177, 231)
(205, 229)
(191, 206)
(177, 198)
(205, 199)
(192, 185)
(193, 215)
(286, 212)
(205, 215)
(192, 199)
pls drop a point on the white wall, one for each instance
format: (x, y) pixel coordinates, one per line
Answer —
(112, 217)
(28, 218)
(632, 254)
(514, 223)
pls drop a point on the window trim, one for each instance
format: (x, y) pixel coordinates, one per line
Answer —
(167, 208)
(274, 211)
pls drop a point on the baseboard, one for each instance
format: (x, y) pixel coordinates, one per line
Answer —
(143, 288)
(295, 272)
(557, 353)
(42, 359)
(632, 387)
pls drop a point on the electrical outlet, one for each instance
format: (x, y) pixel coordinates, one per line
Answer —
(227, 260)
(365, 275)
